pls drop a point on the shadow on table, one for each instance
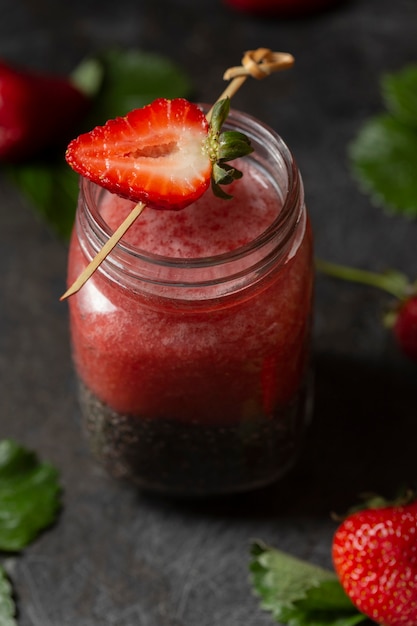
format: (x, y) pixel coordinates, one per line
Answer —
(363, 438)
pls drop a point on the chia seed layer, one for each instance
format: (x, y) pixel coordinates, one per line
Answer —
(183, 458)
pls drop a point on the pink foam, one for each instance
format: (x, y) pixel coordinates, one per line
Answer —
(208, 227)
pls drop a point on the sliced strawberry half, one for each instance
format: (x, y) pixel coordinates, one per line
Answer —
(154, 154)
(164, 154)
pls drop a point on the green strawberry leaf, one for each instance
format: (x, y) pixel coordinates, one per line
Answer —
(400, 94)
(29, 496)
(232, 145)
(383, 157)
(298, 593)
(51, 189)
(117, 82)
(134, 78)
(225, 174)
(7, 606)
(219, 114)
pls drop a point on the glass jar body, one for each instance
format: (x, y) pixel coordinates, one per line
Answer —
(193, 372)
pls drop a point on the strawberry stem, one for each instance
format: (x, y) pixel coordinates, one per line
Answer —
(393, 282)
(259, 64)
(230, 91)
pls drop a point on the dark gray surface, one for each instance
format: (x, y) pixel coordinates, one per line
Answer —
(117, 557)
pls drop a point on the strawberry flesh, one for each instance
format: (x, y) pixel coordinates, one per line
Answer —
(375, 557)
(153, 155)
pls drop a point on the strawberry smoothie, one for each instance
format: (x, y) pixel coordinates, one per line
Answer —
(191, 341)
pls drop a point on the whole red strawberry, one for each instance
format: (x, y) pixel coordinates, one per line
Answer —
(37, 111)
(405, 327)
(375, 556)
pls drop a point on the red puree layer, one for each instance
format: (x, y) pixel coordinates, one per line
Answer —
(210, 364)
(208, 227)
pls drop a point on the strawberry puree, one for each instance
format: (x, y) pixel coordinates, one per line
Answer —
(212, 364)
(208, 227)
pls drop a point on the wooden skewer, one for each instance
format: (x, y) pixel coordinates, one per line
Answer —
(105, 250)
(230, 91)
(258, 63)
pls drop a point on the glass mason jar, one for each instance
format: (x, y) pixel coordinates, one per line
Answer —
(193, 372)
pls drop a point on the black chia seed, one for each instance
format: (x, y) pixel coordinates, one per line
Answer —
(188, 458)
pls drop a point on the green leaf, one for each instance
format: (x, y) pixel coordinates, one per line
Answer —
(7, 606)
(220, 112)
(29, 496)
(400, 94)
(132, 79)
(117, 81)
(52, 189)
(298, 593)
(384, 157)
(232, 145)
(219, 192)
(225, 174)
